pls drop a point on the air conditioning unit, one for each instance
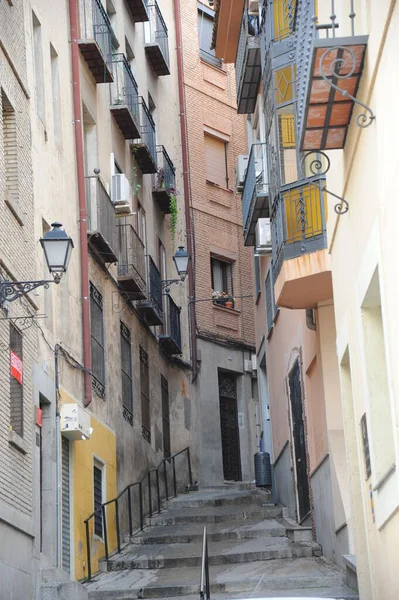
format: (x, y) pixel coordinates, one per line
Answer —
(241, 169)
(263, 237)
(120, 194)
(75, 422)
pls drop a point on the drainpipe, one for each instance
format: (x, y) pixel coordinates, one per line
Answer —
(57, 457)
(187, 210)
(84, 253)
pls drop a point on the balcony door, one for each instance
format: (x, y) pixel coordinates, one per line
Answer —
(298, 434)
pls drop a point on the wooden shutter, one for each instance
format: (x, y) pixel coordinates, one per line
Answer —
(215, 160)
(66, 507)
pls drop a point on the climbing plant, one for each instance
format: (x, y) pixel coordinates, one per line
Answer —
(173, 213)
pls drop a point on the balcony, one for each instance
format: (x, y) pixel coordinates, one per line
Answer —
(170, 341)
(328, 75)
(150, 308)
(138, 10)
(95, 41)
(131, 265)
(156, 41)
(164, 182)
(255, 193)
(301, 263)
(144, 147)
(101, 222)
(248, 64)
(124, 98)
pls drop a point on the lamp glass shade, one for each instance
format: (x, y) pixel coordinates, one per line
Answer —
(57, 247)
(181, 259)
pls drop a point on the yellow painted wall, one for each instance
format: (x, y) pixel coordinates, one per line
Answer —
(100, 446)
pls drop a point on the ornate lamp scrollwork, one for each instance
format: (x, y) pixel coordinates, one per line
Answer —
(363, 119)
(318, 167)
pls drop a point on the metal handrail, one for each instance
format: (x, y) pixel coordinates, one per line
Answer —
(205, 587)
(147, 477)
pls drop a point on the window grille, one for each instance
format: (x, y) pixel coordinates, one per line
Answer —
(97, 341)
(98, 499)
(145, 396)
(126, 373)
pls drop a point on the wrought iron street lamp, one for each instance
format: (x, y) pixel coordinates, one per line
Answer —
(57, 247)
(181, 260)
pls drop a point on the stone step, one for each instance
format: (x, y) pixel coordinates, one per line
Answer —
(218, 514)
(221, 498)
(290, 575)
(193, 532)
(169, 556)
(340, 593)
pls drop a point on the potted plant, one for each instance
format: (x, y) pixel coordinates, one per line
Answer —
(229, 303)
(222, 299)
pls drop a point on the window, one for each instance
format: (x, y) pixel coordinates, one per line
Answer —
(126, 373)
(284, 19)
(145, 396)
(98, 488)
(141, 225)
(90, 142)
(216, 161)
(257, 274)
(97, 341)
(222, 276)
(16, 385)
(129, 51)
(205, 31)
(165, 417)
(287, 143)
(55, 85)
(38, 59)
(271, 308)
(10, 148)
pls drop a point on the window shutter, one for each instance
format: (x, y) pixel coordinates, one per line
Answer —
(215, 160)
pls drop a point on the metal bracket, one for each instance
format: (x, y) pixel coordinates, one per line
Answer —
(317, 168)
(363, 119)
(12, 290)
(166, 283)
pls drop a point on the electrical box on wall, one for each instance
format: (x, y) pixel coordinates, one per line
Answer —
(75, 422)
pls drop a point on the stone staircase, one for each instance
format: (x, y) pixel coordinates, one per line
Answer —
(255, 551)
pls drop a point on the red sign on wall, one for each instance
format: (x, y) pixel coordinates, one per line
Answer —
(16, 367)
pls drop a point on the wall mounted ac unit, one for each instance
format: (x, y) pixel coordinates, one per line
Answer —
(75, 422)
(120, 194)
(241, 169)
(263, 237)
(254, 362)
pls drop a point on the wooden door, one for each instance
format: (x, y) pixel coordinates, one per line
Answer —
(229, 427)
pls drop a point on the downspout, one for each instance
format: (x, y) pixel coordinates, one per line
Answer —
(84, 253)
(187, 210)
(57, 457)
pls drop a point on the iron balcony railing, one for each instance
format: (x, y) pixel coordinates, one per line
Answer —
(147, 129)
(125, 515)
(298, 222)
(248, 64)
(95, 24)
(131, 257)
(255, 181)
(124, 90)
(156, 31)
(165, 177)
(101, 217)
(154, 285)
(172, 325)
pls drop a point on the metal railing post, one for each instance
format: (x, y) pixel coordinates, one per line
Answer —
(117, 524)
(141, 506)
(158, 491)
(205, 588)
(88, 550)
(129, 499)
(149, 494)
(105, 530)
(190, 474)
(174, 477)
(166, 480)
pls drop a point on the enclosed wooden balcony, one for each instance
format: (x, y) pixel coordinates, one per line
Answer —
(95, 41)
(131, 265)
(255, 193)
(124, 98)
(101, 222)
(248, 64)
(301, 263)
(150, 308)
(157, 41)
(164, 182)
(170, 340)
(144, 148)
(138, 10)
(330, 67)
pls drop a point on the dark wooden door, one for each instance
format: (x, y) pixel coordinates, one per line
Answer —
(229, 427)
(298, 432)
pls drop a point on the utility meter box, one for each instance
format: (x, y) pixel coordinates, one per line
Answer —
(75, 422)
